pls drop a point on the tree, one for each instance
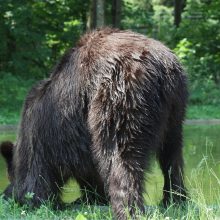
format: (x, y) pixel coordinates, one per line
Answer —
(116, 13)
(96, 16)
(91, 22)
(178, 9)
(34, 34)
(100, 14)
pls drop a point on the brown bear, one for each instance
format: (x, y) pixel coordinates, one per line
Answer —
(109, 104)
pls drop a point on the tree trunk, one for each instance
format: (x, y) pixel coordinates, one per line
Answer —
(96, 15)
(178, 8)
(100, 15)
(116, 13)
(91, 22)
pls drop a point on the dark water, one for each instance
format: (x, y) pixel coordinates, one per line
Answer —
(202, 166)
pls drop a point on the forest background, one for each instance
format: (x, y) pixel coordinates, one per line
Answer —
(34, 34)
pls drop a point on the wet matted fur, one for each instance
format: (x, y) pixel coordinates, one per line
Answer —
(110, 103)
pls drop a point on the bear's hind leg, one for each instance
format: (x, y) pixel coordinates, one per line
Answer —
(171, 162)
(121, 165)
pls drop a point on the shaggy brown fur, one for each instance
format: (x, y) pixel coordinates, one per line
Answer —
(112, 101)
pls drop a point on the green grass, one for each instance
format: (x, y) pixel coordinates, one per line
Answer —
(198, 206)
(11, 210)
(9, 117)
(203, 112)
(201, 177)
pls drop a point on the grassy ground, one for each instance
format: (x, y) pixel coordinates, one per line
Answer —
(203, 112)
(198, 206)
(195, 209)
(202, 181)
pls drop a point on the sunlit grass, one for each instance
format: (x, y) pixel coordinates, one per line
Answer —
(197, 207)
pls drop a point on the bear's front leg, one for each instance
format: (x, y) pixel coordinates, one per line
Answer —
(8, 192)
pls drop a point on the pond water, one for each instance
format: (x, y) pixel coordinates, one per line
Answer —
(202, 167)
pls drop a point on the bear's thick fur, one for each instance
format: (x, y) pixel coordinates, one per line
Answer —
(112, 101)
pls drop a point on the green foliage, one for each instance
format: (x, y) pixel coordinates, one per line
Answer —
(137, 15)
(184, 50)
(36, 33)
(13, 91)
(199, 50)
(29, 196)
(196, 42)
(163, 21)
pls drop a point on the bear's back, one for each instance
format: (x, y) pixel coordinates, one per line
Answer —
(107, 51)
